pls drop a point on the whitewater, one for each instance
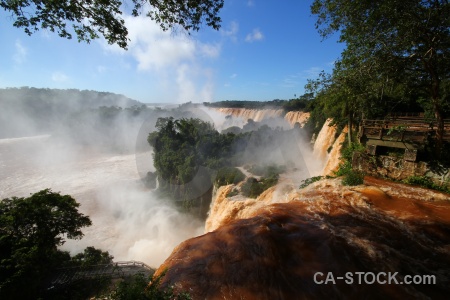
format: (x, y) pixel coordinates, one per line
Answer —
(129, 220)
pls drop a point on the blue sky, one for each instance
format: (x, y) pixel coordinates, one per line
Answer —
(264, 51)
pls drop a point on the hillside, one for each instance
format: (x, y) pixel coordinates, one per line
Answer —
(29, 111)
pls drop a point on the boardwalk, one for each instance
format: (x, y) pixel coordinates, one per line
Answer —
(115, 270)
(409, 133)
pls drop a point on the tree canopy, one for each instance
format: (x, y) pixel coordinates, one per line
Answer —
(31, 228)
(93, 18)
(396, 51)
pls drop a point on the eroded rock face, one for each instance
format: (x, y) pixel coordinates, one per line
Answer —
(275, 253)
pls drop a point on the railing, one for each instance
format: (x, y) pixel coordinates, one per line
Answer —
(402, 129)
(114, 270)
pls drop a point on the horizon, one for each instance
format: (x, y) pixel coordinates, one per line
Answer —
(251, 58)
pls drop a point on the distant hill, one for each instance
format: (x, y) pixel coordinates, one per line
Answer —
(28, 111)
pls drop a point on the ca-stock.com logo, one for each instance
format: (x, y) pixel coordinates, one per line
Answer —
(287, 150)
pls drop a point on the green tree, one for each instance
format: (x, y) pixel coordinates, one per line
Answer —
(31, 228)
(403, 40)
(90, 19)
(92, 256)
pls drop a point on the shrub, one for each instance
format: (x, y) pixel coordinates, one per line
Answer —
(308, 181)
(253, 188)
(426, 182)
(266, 171)
(232, 193)
(353, 178)
(229, 175)
(137, 287)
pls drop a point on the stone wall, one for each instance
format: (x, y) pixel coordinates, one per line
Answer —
(398, 168)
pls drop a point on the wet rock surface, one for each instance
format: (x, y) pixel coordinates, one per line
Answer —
(275, 252)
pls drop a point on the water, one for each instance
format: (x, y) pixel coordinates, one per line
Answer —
(274, 252)
(129, 221)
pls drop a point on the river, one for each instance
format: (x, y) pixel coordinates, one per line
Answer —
(129, 221)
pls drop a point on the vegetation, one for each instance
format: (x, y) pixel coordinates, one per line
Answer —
(247, 104)
(253, 188)
(29, 111)
(309, 181)
(228, 175)
(302, 103)
(353, 177)
(426, 182)
(31, 228)
(90, 19)
(183, 147)
(350, 177)
(266, 170)
(91, 257)
(138, 288)
(402, 66)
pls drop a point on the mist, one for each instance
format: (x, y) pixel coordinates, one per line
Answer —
(100, 156)
(282, 145)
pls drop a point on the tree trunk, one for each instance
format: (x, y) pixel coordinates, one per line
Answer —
(439, 130)
(349, 131)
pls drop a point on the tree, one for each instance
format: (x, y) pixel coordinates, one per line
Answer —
(91, 257)
(30, 230)
(403, 40)
(93, 18)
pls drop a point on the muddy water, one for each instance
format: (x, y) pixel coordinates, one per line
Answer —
(129, 221)
(274, 253)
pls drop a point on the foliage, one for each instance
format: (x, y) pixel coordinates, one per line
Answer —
(189, 14)
(233, 192)
(309, 181)
(403, 61)
(353, 177)
(253, 188)
(186, 153)
(54, 110)
(247, 104)
(181, 146)
(31, 228)
(137, 288)
(347, 151)
(426, 182)
(266, 170)
(90, 19)
(302, 103)
(229, 175)
(91, 257)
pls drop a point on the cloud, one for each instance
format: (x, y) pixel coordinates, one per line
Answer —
(250, 3)
(194, 84)
(256, 35)
(154, 49)
(211, 51)
(21, 53)
(59, 77)
(176, 60)
(231, 31)
(233, 76)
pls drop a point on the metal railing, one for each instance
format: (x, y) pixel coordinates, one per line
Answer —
(113, 270)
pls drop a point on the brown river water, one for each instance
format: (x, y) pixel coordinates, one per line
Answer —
(381, 228)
